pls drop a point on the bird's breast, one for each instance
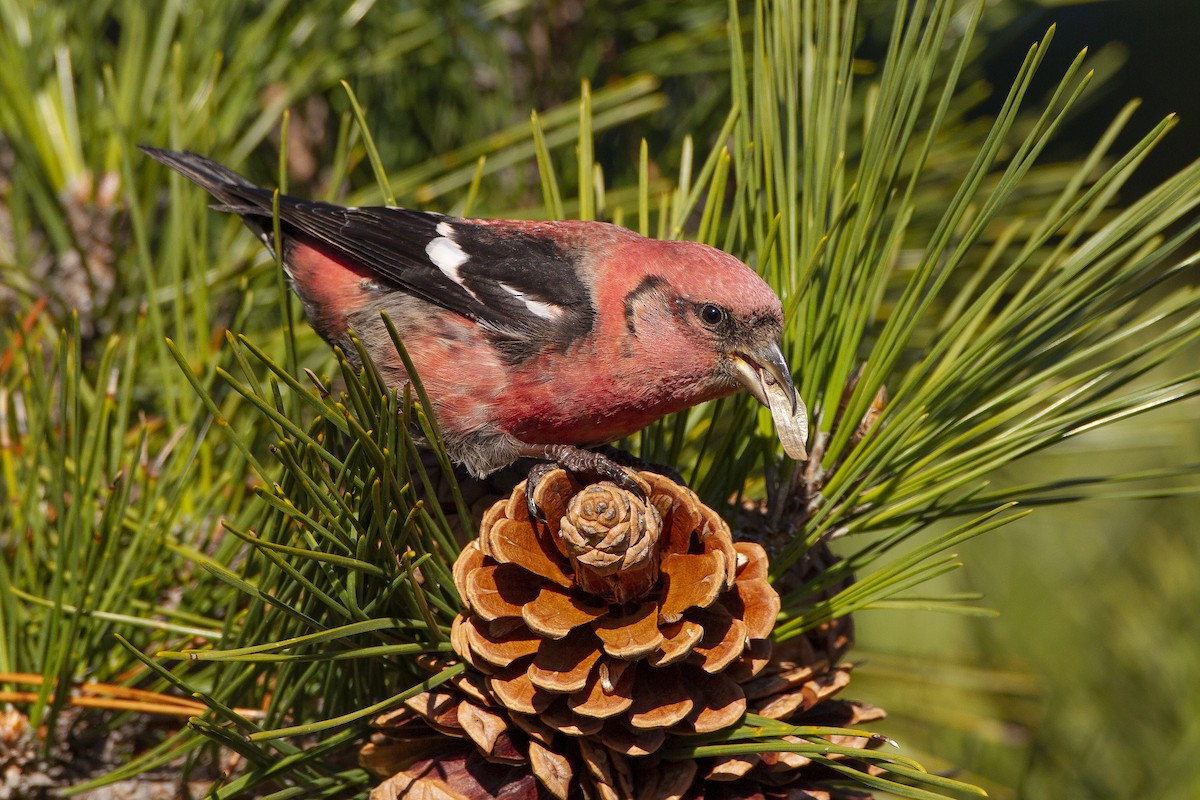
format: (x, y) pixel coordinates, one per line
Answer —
(590, 399)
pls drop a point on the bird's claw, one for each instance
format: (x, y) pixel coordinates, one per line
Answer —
(536, 473)
(612, 471)
(629, 460)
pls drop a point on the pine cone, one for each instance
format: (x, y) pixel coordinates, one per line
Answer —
(594, 637)
(616, 620)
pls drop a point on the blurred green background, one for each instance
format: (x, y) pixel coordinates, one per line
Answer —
(1086, 684)
(1093, 662)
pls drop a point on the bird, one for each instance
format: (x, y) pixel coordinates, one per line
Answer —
(533, 339)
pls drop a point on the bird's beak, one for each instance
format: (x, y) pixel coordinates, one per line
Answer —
(767, 376)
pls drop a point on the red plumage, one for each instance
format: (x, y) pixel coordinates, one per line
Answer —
(532, 338)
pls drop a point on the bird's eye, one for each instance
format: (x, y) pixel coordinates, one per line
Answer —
(711, 314)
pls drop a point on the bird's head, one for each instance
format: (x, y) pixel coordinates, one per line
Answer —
(705, 314)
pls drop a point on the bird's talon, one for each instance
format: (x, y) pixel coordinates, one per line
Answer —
(629, 484)
(535, 511)
(536, 473)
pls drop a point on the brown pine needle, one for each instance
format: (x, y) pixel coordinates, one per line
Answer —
(91, 694)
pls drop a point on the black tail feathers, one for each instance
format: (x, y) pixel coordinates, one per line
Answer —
(236, 194)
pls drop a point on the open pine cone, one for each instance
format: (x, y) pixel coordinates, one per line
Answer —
(591, 639)
(617, 620)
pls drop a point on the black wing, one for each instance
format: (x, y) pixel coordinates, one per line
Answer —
(524, 288)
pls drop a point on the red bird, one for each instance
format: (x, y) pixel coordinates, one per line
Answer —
(533, 339)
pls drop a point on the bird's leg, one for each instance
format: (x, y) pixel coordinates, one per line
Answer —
(575, 460)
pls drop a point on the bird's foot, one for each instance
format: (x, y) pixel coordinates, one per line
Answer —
(590, 464)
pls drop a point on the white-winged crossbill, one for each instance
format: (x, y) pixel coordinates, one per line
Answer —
(533, 339)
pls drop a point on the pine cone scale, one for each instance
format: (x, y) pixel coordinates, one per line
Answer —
(662, 704)
(719, 701)
(606, 695)
(632, 636)
(501, 650)
(692, 581)
(516, 543)
(678, 640)
(563, 665)
(552, 769)
(489, 600)
(629, 742)
(554, 613)
(515, 691)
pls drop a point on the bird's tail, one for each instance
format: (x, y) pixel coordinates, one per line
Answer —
(236, 194)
